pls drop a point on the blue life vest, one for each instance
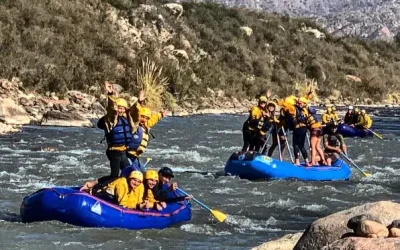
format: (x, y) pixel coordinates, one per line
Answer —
(136, 140)
(121, 134)
(300, 117)
(313, 112)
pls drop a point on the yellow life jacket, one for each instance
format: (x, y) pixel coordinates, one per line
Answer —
(256, 119)
(125, 196)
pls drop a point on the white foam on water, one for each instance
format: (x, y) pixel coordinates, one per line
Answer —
(288, 203)
(191, 156)
(227, 131)
(362, 188)
(335, 200)
(73, 243)
(230, 149)
(223, 191)
(87, 151)
(244, 224)
(198, 229)
(315, 207)
(359, 158)
(256, 192)
(394, 159)
(307, 188)
(204, 148)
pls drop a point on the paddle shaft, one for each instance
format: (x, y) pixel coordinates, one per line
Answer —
(196, 200)
(352, 162)
(287, 144)
(265, 144)
(376, 134)
(279, 143)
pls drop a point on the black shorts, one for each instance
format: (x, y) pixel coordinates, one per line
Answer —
(316, 132)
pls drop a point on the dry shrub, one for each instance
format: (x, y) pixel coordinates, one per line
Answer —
(302, 87)
(151, 81)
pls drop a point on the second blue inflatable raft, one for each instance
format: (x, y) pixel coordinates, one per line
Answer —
(253, 166)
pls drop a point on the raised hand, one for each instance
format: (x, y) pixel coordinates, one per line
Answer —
(108, 87)
(268, 93)
(142, 96)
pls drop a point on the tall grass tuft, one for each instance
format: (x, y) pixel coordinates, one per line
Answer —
(151, 81)
(302, 87)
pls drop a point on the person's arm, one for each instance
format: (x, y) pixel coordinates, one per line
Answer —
(343, 146)
(154, 119)
(121, 189)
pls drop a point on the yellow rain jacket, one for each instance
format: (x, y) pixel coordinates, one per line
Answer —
(124, 195)
(364, 121)
(134, 115)
(300, 118)
(256, 118)
(328, 117)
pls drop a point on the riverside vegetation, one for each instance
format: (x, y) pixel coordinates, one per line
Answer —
(56, 46)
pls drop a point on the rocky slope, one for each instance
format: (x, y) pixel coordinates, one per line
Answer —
(370, 19)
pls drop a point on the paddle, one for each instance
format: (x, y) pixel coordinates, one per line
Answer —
(376, 134)
(265, 144)
(355, 165)
(221, 217)
(287, 144)
(279, 143)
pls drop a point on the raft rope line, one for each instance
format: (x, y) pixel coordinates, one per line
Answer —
(123, 210)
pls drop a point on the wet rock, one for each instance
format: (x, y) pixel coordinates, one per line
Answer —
(98, 108)
(8, 129)
(65, 119)
(357, 243)
(394, 229)
(355, 221)
(327, 230)
(371, 229)
(11, 113)
(287, 242)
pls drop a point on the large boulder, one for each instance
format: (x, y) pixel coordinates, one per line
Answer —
(287, 242)
(65, 119)
(327, 230)
(357, 243)
(11, 113)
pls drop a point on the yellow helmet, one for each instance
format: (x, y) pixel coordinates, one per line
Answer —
(363, 111)
(136, 175)
(357, 110)
(121, 102)
(263, 99)
(143, 111)
(303, 100)
(291, 100)
(151, 175)
(271, 104)
(334, 108)
(329, 109)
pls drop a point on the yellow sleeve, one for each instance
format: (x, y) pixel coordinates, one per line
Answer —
(325, 118)
(255, 113)
(121, 192)
(137, 196)
(154, 119)
(287, 107)
(150, 198)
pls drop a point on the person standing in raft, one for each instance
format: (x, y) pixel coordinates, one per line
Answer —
(270, 120)
(252, 126)
(333, 144)
(117, 129)
(315, 137)
(297, 120)
(143, 120)
(364, 120)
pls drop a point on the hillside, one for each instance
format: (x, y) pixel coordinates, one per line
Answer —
(58, 45)
(370, 19)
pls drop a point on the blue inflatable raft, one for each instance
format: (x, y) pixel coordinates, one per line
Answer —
(253, 166)
(349, 131)
(69, 205)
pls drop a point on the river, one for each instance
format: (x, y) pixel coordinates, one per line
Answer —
(258, 211)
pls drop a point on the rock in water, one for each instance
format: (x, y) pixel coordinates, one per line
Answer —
(11, 113)
(372, 229)
(354, 222)
(64, 119)
(287, 242)
(357, 243)
(327, 230)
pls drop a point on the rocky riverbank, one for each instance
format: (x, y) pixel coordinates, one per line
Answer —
(369, 226)
(77, 109)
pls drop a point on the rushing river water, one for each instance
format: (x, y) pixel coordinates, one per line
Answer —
(258, 211)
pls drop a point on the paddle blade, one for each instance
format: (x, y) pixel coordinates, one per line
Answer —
(221, 217)
(367, 174)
